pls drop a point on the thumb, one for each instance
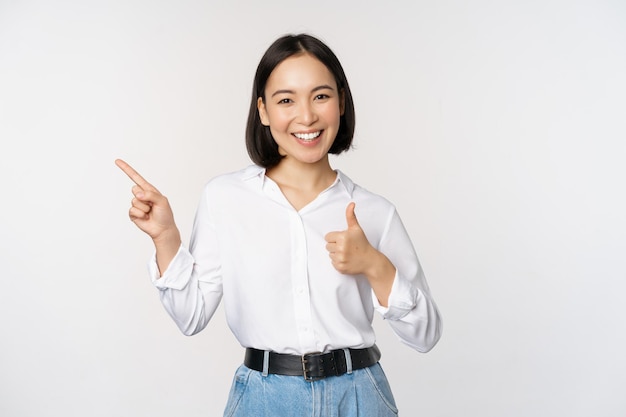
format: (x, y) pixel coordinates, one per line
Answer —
(351, 217)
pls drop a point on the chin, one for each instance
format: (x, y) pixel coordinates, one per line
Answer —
(312, 159)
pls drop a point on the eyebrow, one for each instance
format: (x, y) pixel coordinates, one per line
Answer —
(319, 87)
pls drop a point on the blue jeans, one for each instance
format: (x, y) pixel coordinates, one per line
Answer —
(362, 393)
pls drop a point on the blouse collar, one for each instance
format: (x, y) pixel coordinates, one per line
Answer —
(256, 175)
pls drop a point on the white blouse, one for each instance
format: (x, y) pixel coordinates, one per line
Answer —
(269, 263)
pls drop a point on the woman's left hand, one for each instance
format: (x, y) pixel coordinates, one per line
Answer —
(350, 251)
(352, 254)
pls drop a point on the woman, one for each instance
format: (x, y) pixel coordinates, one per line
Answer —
(280, 241)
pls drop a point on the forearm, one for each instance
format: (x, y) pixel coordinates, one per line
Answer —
(166, 245)
(380, 275)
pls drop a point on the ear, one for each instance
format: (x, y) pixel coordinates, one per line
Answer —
(342, 102)
(260, 105)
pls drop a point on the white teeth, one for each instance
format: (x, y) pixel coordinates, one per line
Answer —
(307, 136)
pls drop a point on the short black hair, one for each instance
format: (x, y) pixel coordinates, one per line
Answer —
(261, 146)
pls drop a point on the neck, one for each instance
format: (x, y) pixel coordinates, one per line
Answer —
(316, 176)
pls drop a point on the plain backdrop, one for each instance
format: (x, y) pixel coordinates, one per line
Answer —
(498, 129)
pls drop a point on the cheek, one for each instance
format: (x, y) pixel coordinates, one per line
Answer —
(278, 120)
(333, 115)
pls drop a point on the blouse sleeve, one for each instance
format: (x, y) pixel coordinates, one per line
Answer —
(412, 312)
(191, 286)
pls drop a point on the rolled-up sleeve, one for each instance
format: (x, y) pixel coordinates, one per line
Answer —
(191, 287)
(411, 311)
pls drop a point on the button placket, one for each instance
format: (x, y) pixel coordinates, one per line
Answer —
(300, 283)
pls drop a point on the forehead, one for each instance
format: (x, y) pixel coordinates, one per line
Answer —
(302, 71)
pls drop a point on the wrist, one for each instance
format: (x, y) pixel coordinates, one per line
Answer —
(168, 238)
(377, 265)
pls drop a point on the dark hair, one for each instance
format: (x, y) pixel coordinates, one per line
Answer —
(261, 146)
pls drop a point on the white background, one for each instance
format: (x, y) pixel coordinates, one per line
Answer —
(497, 128)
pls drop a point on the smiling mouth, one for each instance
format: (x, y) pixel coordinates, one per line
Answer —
(307, 137)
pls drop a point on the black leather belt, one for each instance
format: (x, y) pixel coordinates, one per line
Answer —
(312, 366)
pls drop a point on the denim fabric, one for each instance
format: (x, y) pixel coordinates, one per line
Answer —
(363, 393)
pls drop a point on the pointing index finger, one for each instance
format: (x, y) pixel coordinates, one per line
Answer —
(133, 175)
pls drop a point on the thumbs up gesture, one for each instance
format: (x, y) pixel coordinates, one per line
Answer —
(350, 251)
(352, 254)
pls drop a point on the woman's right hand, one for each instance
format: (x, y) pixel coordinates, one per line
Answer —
(151, 212)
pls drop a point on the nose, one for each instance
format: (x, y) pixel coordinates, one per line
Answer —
(307, 114)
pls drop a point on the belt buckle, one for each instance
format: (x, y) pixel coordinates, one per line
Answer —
(305, 371)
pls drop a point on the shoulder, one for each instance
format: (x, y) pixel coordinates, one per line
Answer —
(362, 195)
(235, 179)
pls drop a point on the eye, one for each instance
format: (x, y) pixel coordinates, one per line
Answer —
(321, 96)
(285, 101)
